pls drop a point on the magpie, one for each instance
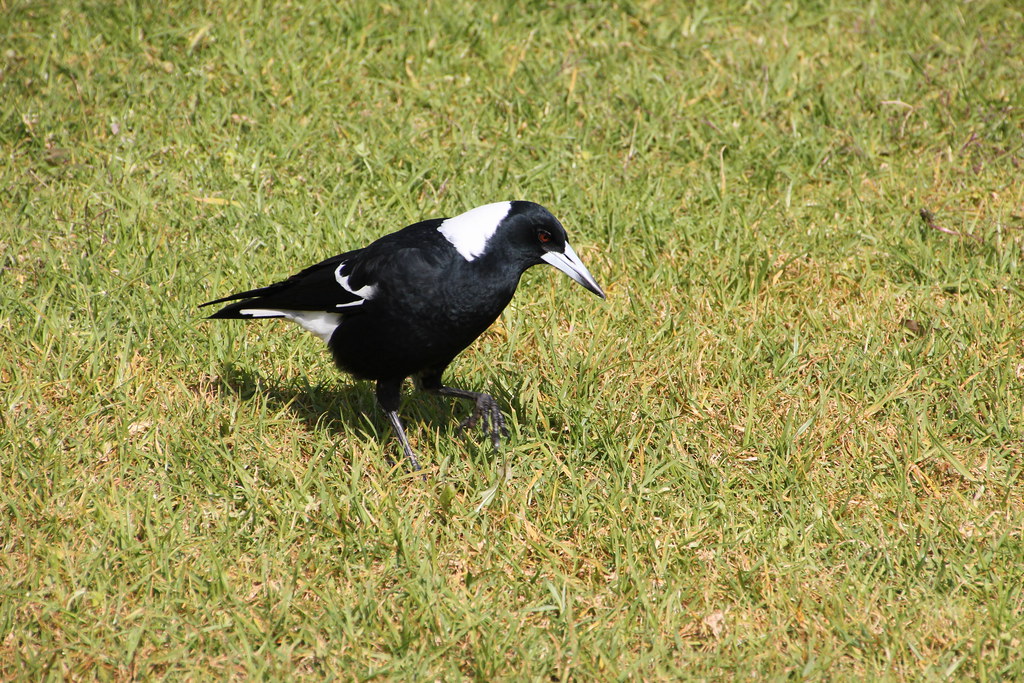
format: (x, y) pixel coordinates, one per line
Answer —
(407, 304)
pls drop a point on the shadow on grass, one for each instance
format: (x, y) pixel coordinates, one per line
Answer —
(346, 410)
(342, 410)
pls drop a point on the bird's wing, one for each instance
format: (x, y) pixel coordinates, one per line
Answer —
(408, 261)
(395, 271)
(321, 287)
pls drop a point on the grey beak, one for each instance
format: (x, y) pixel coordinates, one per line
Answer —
(569, 263)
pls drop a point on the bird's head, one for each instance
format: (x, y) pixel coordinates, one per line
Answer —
(520, 234)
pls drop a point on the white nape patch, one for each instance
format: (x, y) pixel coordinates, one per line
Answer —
(364, 292)
(469, 232)
(320, 323)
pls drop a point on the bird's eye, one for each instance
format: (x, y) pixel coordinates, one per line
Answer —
(544, 236)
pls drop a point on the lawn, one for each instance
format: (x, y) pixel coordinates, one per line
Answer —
(789, 445)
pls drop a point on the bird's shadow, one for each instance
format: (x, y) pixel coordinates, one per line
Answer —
(346, 410)
(342, 410)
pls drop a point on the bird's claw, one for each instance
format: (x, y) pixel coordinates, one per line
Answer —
(487, 413)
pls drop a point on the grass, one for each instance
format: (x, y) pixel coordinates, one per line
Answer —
(789, 445)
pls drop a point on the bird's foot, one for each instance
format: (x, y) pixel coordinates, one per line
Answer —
(488, 415)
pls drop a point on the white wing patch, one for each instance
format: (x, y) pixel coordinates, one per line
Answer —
(320, 323)
(469, 232)
(365, 292)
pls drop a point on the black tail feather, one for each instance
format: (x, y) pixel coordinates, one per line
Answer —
(251, 294)
(234, 310)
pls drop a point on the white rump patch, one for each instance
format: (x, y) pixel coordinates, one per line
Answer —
(364, 292)
(469, 232)
(320, 323)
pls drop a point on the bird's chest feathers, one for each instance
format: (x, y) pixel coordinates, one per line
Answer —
(466, 303)
(466, 299)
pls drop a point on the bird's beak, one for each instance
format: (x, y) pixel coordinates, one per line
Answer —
(569, 263)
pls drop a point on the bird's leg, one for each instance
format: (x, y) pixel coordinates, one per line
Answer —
(388, 392)
(396, 424)
(485, 407)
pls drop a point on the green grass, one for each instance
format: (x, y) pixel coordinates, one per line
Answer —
(790, 444)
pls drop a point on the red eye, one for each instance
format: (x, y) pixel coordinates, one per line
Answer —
(544, 236)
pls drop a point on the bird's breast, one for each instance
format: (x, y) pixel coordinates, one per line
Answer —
(399, 333)
(461, 306)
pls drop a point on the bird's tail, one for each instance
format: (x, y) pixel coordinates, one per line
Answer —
(250, 303)
(232, 311)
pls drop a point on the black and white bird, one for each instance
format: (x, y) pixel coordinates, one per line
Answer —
(408, 303)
